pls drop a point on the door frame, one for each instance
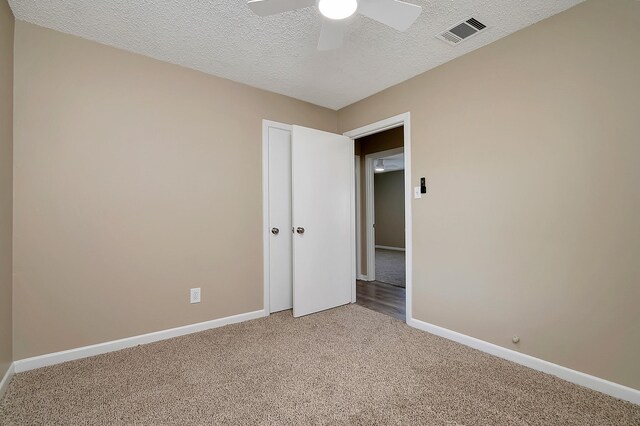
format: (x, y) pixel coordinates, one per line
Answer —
(377, 127)
(370, 213)
(266, 124)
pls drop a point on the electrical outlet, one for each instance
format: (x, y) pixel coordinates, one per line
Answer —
(195, 295)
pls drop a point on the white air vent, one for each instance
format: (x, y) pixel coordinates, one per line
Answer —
(462, 31)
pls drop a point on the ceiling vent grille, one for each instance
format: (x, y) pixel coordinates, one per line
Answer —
(462, 31)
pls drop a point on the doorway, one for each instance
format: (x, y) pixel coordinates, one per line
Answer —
(384, 215)
(388, 190)
(383, 219)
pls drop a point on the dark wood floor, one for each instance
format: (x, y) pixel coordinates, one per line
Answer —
(384, 298)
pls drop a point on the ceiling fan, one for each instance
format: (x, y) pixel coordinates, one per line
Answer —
(394, 13)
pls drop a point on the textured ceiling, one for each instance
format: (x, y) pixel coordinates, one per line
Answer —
(278, 53)
(392, 163)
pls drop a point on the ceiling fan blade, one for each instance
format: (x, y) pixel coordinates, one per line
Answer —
(331, 35)
(271, 7)
(394, 13)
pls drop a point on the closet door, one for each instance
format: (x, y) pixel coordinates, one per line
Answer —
(323, 220)
(280, 236)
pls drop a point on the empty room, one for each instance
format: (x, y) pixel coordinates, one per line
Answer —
(294, 212)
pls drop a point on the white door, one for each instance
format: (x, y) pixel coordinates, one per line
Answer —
(323, 218)
(280, 249)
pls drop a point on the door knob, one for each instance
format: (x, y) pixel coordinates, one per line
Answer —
(300, 230)
(275, 231)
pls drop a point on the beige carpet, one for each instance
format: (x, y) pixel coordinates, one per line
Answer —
(344, 366)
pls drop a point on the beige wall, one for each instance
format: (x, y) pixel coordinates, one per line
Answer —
(378, 142)
(389, 208)
(6, 186)
(531, 225)
(135, 180)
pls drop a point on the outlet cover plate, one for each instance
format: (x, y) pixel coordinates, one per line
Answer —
(195, 295)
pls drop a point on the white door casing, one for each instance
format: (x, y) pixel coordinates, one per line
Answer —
(324, 206)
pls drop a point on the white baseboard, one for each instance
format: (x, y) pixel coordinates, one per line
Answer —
(391, 248)
(4, 384)
(363, 278)
(115, 345)
(610, 388)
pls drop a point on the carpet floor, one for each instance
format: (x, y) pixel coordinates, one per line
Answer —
(348, 365)
(390, 267)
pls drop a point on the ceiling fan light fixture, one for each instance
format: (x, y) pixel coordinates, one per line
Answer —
(379, 165)
(337, 9)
